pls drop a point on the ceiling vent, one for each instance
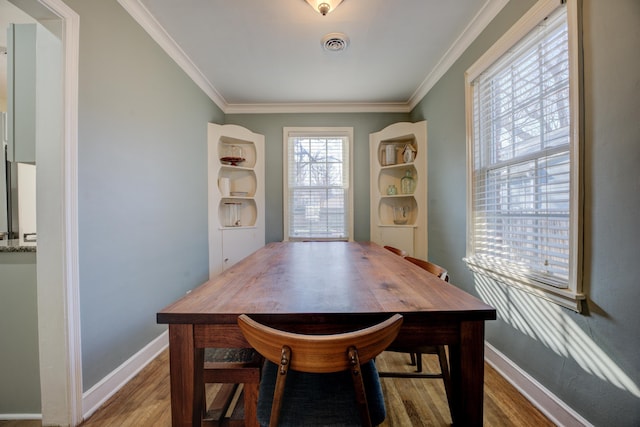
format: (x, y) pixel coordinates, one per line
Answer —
(335, 42)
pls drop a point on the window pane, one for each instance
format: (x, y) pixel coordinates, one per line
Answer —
(318, 187)
(522, 168)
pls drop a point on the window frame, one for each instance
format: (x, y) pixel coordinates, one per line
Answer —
(318, 132)
(571, 296)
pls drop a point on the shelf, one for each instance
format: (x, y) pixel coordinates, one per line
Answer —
(392, 175)
(398, 145)
(247, 212)
(388, 167)
(387, 210)
(240, 179)
(227, 147)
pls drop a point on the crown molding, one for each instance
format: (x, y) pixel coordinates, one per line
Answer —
(145, 19)
(328, 107)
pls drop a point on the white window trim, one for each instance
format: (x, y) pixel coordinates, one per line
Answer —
(572, 296)
(324, 131)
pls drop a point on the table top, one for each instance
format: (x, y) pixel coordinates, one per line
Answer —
(303, 279)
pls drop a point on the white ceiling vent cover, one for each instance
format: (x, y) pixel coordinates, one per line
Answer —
(335, 42)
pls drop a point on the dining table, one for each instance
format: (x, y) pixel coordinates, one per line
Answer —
(322, 288)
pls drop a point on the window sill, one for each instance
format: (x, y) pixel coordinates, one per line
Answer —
(563, 297)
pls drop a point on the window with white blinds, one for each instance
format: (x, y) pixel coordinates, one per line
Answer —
(523, 212)
(317, 184)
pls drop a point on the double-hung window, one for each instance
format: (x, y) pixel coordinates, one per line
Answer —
(523, 127)
(318, 201)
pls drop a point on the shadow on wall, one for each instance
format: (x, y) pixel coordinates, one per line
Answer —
(548, 324)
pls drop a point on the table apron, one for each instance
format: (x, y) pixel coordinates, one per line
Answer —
(229, 335)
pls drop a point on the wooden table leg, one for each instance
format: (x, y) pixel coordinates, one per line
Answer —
(467, 375)
(187, 386)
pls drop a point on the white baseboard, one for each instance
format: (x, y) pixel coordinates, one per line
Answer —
(549, 404)
(12, 417)
(93, 398)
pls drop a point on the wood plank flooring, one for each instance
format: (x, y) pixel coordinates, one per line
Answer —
(144, 401)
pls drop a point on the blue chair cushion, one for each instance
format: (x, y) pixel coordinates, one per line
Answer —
(320, 399)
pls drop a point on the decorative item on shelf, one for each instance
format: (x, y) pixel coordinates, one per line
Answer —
(392, 190)
(225, 185)
(408, 153)
(401, 214)
(233, 214)
(232, 155)
(406, 183)
(390, 154)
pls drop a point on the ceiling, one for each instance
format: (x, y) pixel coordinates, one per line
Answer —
(267, 56)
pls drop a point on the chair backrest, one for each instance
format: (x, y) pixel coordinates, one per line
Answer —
(397, 251)
(320, 354)
(430, 267)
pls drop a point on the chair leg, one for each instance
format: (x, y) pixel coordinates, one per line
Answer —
(358, 384)
(281, 379)
(446, 376)
(418, 362)
(413, 359)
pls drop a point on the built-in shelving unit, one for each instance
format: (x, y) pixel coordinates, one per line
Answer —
(399, 218)
(236, 194)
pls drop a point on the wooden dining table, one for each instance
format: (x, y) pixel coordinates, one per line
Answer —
(326, 287)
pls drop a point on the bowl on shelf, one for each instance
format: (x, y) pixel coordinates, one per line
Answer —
(233, 161)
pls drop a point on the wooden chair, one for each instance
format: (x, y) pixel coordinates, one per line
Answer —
(416, 353)
(397, 251)
(430, 267)
(320, 379)
(231, 367)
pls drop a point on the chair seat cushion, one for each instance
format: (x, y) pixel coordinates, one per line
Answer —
(320, 399)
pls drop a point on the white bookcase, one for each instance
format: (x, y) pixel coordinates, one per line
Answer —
(399, 219)
(236, 195)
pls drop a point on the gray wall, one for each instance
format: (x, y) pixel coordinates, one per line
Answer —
(270, 125)
(19, 364)
(589, 360)
(142, 185)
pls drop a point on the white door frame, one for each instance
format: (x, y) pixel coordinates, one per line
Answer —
(57, 253)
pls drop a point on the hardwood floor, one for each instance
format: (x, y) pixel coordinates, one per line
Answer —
(410, 402)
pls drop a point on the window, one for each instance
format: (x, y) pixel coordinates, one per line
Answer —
(317, 184)
(523, 120)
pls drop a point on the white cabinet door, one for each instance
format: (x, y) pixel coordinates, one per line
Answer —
(238, 244)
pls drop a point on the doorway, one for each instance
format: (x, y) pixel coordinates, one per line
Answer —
(56, 217)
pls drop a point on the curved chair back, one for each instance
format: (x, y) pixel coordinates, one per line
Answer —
(320, 354)
(397, 251)
(430, 267)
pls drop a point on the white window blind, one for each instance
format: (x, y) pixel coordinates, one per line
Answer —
(521, 173)
(317, 185)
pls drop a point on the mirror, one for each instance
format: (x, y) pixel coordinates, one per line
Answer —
(24, 90)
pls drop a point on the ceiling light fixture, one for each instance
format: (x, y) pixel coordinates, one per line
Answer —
(324, 6)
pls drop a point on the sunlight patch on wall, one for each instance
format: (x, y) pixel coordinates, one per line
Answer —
(549, 324)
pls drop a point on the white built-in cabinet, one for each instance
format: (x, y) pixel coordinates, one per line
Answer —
(398, 218)
(236, 195)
